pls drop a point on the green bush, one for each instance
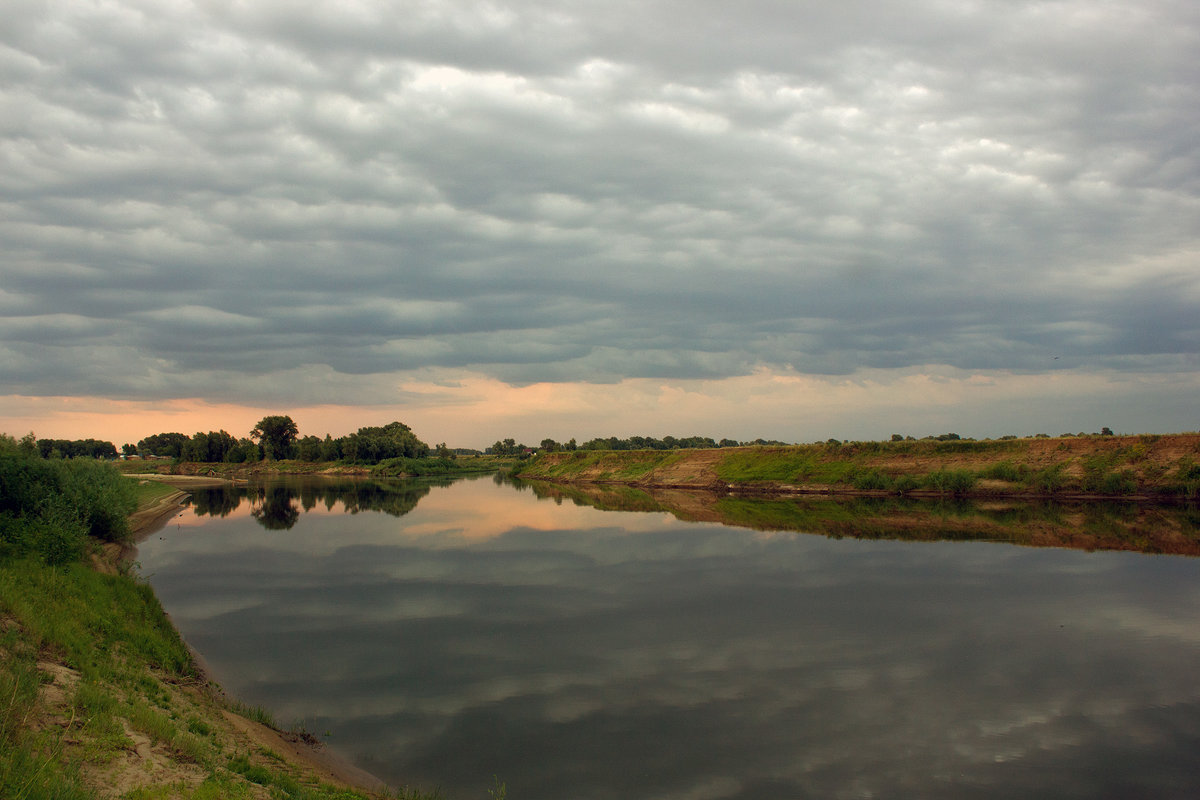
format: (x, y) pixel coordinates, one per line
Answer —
(1050, 479)
(49, 507)
(101, 496)
(55, 541)
(1187, 470)
(392, 467)
(951, 481)
(1122, 482)
(873, 480)
(1006, 471)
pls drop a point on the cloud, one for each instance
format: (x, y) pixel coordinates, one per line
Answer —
(217, 195)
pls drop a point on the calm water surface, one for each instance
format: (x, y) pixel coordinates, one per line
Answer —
(442, 634)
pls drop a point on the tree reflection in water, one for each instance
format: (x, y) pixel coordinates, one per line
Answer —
(277, 504)
(1105, 525)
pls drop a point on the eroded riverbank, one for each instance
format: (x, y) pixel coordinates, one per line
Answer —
(1161, 468)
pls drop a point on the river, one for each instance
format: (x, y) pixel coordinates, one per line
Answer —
(439, 634)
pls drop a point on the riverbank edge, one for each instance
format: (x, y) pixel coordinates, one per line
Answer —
(301, 751)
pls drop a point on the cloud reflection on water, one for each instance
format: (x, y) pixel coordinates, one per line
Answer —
(585, 654)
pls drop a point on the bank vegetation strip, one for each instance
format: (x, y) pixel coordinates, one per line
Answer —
(1160, 467)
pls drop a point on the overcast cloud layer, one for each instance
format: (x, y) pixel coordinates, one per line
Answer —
(264, 202)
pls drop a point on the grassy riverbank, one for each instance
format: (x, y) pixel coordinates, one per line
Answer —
(99, 695)
(1086, 466)
(101, 699)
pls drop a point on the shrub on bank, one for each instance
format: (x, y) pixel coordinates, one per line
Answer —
(414, 466)
(951, 481)
(1049, 479)
(1006, 471)
(49, 507)
(873, 480)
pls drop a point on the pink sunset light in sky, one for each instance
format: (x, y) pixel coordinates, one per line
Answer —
(476, 411)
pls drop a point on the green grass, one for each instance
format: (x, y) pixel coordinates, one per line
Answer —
(112, 631)
(87, 619)
(1048, 479)
(785, 466)
(1006, 471)
(843, 464)
(950, 481)
(30, 762)
(165, 730)
(218, 786)
(148, 492)
(638, 464)
(254, 713)
(416, 467)
(617, 465)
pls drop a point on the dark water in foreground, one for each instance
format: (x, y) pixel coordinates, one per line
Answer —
(443, 634)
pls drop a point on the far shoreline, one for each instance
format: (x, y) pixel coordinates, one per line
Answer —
(1159, 469)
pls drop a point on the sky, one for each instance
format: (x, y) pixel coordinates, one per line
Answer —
(536, 219)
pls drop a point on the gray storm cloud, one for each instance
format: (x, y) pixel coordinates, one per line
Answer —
(194, 195)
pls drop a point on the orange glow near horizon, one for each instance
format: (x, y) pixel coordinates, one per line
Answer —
(121, 421)
(466, 409)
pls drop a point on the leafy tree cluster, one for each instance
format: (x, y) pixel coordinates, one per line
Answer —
(372, 445)
(314, 448)
(49, 507)
(211, 446)
(509, 447)
(207, 447)
(167, 445)
(277, 437)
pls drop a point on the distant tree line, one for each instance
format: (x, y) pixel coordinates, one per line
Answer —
(632, 443)
(75, 448)
(277, 437)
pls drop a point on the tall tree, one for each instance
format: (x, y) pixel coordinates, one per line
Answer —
(275, 434)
